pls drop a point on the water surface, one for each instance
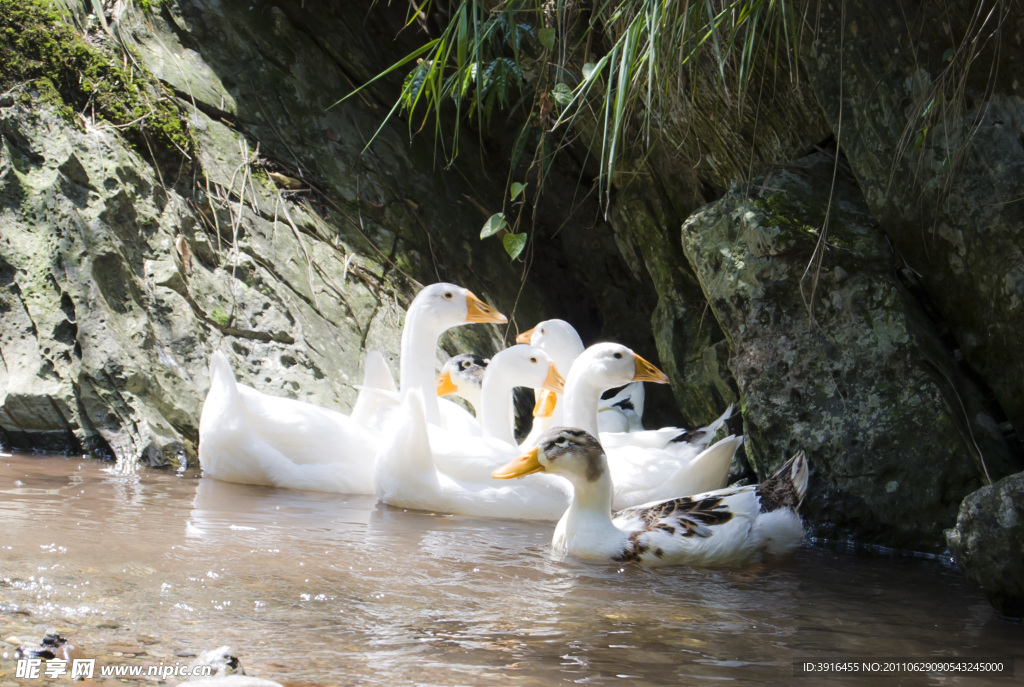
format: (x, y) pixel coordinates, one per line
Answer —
(324, 588)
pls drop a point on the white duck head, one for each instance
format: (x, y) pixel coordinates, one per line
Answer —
(519, 365)
(435, 309)
(557, 338)
(463, 375)
(600, 367)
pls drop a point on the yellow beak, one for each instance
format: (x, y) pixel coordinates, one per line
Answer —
(478, 311)
(524, 337)
(545, 405)
(519, 467)
(554, 381)
(645, 372)
(445, 385)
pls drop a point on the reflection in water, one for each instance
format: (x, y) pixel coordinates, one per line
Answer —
(328, 588)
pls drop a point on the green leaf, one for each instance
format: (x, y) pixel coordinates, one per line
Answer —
(561, 94)
(514, 244)
(413, 85)
(588, 69)
(493, 225)
(546, 38)
(919, 140)
(517, 189)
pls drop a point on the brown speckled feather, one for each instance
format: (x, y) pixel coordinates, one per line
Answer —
(786, 488)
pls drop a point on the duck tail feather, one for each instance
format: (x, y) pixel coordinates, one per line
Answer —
(787, 487)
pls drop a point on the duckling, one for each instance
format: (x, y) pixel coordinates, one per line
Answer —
(723, 527)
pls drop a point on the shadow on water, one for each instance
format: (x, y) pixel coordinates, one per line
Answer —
(154, 567)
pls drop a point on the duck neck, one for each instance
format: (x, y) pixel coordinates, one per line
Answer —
(586, 529)
(496, 411)
(580, 399)
(472, 396)
(416, 368)
(565, 356)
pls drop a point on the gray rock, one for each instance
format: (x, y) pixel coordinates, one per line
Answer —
(934, 132)
(988, 542)
(833, 357)
(116, 282)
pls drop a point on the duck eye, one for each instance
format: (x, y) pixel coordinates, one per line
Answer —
(533, 360)
(561, 442)
(448, 295)
(618, 356)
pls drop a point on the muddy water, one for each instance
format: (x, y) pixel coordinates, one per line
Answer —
(153, 568)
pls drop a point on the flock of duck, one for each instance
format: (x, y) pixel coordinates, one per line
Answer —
(618, 492)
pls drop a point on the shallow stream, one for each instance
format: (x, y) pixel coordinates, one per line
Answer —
(152, 568)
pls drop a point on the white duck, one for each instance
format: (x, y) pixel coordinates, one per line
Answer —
(724, 527)
(463, 376)
(254, 438)
(640, 473)
(492, 381)
(619, 417)
(621, 412)
(407, 477)
(468, 457)
(436, 309)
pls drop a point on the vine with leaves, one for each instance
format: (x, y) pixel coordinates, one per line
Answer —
(603, 67)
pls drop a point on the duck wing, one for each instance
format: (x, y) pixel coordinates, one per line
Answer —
(253, 438)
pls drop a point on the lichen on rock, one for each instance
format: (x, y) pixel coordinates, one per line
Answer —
(832, 356)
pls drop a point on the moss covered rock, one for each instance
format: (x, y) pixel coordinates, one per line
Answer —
(831, 356)
(926, 102)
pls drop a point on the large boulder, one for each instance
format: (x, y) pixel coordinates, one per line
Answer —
(988, 542)
(925, 100)
(831, 355)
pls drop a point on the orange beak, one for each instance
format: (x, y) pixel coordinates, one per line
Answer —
(554, 381)
(519, 467)
(524, 337)
(478, 311)
(545, 405)
(645, 372)
(445, 385)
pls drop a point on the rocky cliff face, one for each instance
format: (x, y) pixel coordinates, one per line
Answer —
(277, 240)
(868, 316)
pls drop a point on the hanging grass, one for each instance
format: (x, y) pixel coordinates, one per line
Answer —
(609, 64)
